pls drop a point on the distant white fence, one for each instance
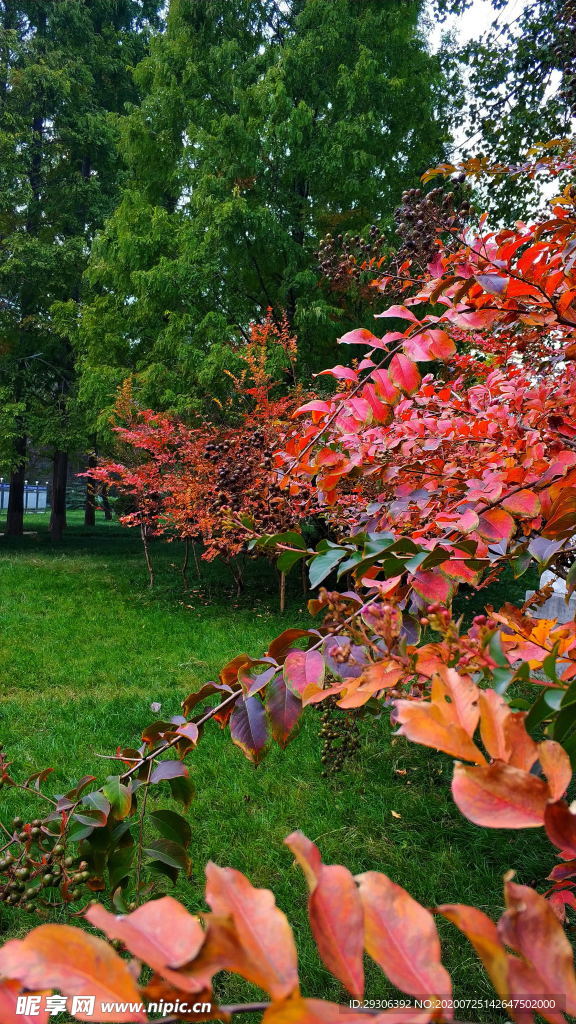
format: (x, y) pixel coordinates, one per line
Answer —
(35, 496)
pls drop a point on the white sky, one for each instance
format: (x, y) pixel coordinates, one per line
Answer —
(477, 20)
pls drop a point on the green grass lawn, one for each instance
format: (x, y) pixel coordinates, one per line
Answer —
(85, 647)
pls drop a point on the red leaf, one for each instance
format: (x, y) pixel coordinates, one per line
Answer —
(9, 992)
(560, 824)
(496, 525)
(530, 926)
(432, 586)
(303, 669)
(262, 928)
(404, 374)
(359, 337)
(335, 912)
(401, 936)
(524, 503)
(499, 796)
(483, 934)
(161, 933)
(398, 312)
(168, 770)
(340, 373)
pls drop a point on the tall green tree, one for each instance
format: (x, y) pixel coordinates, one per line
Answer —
(65, 71)
(520, 77)
(263, 125)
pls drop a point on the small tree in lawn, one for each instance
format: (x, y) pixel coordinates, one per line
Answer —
(206, 483)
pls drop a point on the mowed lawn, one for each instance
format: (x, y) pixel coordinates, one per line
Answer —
(85, 648)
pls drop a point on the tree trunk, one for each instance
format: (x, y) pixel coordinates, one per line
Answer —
(90, 506)
(15, 517)
(105, 502)
(149, 565)
(59, 478)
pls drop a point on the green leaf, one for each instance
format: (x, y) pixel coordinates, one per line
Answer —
(570, 748)
(521, 563)
(502, 677)
(571, 578)
(414, 563)
(120, 865)
(288, 559)
(118, 901)
(323, 564)
(539, 711)
(168, 852)
(78, 831)
(172, 826)
(497, 651)
(553, 698)
(564, 723)
(119, 795)
(93, 818)
(294, 540)
(350, 564)
(182, 790)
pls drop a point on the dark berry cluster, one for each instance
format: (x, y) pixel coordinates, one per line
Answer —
(35, 864)
(348, 258)
(340, 737)
(423, 217)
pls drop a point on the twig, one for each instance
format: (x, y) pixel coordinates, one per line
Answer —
(211, 712)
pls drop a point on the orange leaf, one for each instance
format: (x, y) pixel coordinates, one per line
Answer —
(523, 749)
(9, 992)
(263, 929)
(499, 796)
(335, 912)
(158, 989)
(561, 520)
(77, 964)
(503, 732)
(530, 926)
(483, 934)
(223, 950)
(424, 723)
(556, 767)
(458, 697)
(494, 712)
(401, 936)
(161, 933)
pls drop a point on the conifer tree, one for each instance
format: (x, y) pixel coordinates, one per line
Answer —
(65, 69)
(263, 126)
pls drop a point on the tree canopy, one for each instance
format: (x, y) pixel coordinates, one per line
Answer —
(262, 127)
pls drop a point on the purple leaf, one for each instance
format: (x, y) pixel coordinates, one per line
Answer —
(336, 646)
(284, 710)
(189, 730)
(248, 728)
(168, 770)
(253, 682)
